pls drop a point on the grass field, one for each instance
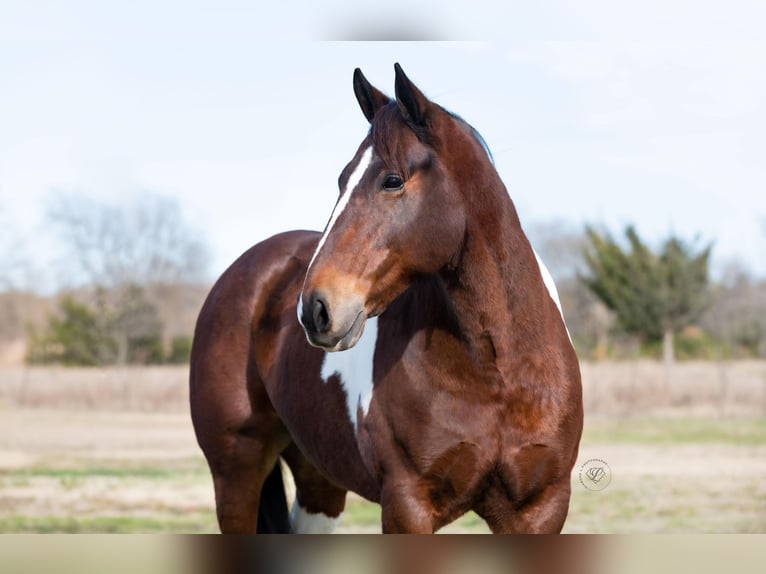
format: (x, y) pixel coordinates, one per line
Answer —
(668, 475)
(99, 450)
(80, 471)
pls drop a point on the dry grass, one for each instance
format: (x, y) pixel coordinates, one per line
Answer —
(95, 450)
(736, 388)
(157, 389)
(699, 388)
(80, 471)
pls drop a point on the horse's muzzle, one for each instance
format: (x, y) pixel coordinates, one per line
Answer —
(332, 327)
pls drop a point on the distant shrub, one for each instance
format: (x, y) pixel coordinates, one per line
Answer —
(180, 350)
(147, 350)
(694, 343)
(106, 333)
(73, 336)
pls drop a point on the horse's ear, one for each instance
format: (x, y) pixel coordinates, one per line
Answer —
(370, 98)
(412, 102)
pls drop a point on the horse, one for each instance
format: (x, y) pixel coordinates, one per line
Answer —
(428, 369)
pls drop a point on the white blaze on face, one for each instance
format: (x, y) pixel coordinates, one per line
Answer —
(303, 522)
(353, 181)
(354, 368)
(551, 286)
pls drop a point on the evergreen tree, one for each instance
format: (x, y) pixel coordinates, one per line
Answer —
(74, 336)
(120, 330)
(653, 295)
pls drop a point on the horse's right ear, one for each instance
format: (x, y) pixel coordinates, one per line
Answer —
(413, 104)
(370, 98)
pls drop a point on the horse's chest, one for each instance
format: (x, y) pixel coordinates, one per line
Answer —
(426, 409)
(452, 424)
(353, 369)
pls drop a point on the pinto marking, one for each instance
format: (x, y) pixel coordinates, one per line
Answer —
(354, 369)
(304, 522)
(353, 181)
(550, 285)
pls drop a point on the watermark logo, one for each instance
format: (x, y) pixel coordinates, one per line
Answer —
(595, 474)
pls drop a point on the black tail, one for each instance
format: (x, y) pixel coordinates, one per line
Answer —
(272, 509)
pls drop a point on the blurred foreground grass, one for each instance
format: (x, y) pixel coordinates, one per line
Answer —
(668, 475)
(669, 431)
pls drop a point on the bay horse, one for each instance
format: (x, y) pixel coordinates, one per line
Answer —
(428, 369)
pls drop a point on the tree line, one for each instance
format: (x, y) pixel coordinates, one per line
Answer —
(624, 298)
(137, 276)
(140, 277)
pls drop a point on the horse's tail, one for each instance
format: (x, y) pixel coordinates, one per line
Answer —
(272, 509)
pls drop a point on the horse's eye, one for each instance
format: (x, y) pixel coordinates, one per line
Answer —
(392, 182)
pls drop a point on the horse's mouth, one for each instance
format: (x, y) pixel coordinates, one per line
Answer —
(353, 334)
(346, 341)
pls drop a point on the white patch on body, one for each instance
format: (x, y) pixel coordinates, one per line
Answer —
(354, 367)
(303, 522)
(551, 286)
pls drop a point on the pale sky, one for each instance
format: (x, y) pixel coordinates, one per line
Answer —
(653, 116)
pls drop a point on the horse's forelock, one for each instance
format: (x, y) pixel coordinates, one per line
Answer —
(388, 144)
(387, 141)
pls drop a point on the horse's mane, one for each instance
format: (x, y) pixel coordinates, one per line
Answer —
(389, 119)
(473, 131)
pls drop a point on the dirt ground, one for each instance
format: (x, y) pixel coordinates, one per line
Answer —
(97, 471)
(675, 488)
(80, 471)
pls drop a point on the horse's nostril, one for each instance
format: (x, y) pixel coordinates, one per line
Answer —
(320, 315)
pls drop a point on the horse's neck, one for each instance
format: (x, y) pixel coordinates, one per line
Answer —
(498, 292)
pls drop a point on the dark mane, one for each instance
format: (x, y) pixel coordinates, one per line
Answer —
(389, 120)
(473, 131)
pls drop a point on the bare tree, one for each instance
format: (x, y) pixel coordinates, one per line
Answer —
(144, 242)
(13, 263)
(13, 266)
(737, 318)
(560, 245)
(136, 260)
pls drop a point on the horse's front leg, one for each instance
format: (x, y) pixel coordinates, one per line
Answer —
(544, 513)
(406, 508)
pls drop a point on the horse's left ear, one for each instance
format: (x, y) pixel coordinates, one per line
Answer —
(412, 102)
(369, 97)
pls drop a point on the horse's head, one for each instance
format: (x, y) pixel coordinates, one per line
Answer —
(400, 213)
